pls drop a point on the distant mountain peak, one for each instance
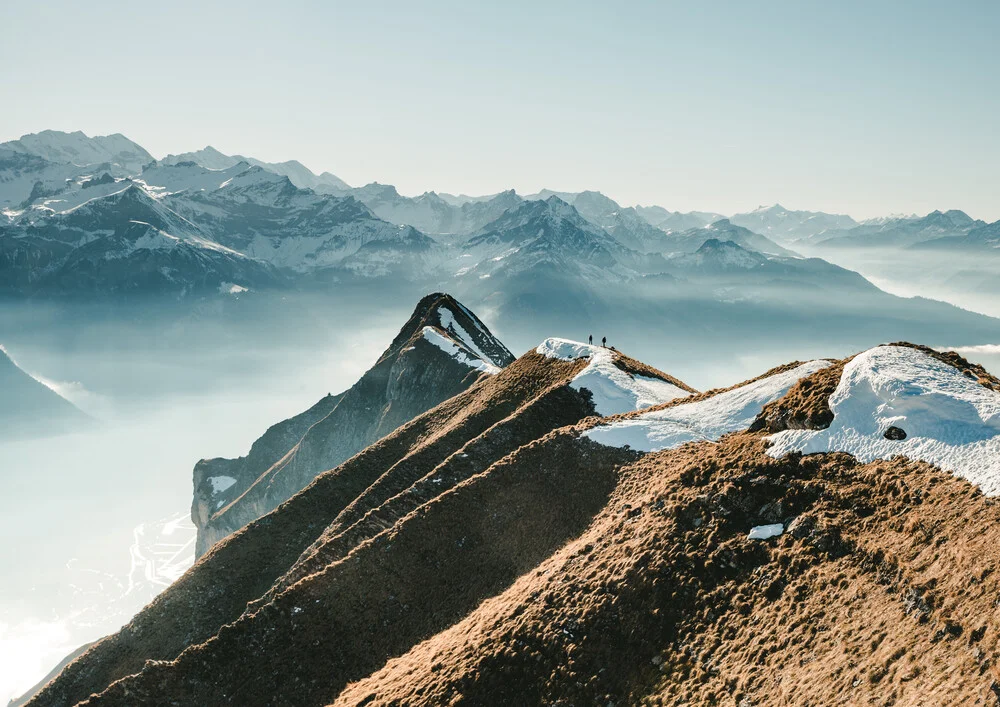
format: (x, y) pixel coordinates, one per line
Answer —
(79, 149)
(31, 408)
(717, 244)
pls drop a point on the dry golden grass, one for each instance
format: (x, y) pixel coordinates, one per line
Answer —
(480, 557)
(882, 592)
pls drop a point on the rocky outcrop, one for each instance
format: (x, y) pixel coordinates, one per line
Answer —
(441, 350)
(218, 481)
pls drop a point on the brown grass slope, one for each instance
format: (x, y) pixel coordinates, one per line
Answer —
(428, 571)
(478, 557)
(461, 437)
(883, 591)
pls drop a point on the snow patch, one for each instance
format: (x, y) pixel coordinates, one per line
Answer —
(220, 483)
(763, 532)
(949, 419)
(448, 321)
(566, 350)
(704, 420)
(614, 390)
(456, 352)
(229, 288)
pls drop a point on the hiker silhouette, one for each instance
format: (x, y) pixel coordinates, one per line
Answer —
(604, 341)
(590, 339)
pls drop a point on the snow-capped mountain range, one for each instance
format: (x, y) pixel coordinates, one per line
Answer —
(101, 216)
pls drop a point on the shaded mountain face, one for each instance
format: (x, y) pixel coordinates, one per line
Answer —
(625, 225)
(723, 230)
(184, 229)
(28, 408)
(727, 259)
(902, 232)
(441, 350)
(784, 225)
(265, 216)
(983, 239)
(27, 178)
(78, 149)
(300, 175)
(671, 221)
(513, 546)
(430, 213)
(124, 242)
(553, 236)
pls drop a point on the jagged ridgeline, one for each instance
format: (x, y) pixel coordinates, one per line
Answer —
(580, 528)
(98, 221)
(442, 349)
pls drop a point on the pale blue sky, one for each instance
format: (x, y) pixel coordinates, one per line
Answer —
(859, 107)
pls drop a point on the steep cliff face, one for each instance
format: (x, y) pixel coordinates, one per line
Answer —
(217, 482)
(441, 350)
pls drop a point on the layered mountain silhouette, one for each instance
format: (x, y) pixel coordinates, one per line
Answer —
(28, 408)
(907, 231)
(205, 226)
(788, 225)
(582, 528)
(441, 350)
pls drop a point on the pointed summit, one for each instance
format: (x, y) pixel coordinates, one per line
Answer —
(442, 349)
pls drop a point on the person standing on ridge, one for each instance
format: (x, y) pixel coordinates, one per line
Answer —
(604, 341)
(590, 339)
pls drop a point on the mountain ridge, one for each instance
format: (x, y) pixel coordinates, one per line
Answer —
(512, 541)
(442, 349)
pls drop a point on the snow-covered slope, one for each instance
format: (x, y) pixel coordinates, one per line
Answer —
(904, 231)
(624, 224)
(120, 242)
(265, 216)
(785, 225)
(614, 389)
(76, 148)
(705, 419)
(675, 221)
(26, 178)
(431, 213)
(549, 235)
(300, 175)
(948, 418)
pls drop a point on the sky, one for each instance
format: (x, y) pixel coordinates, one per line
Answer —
(867, 108)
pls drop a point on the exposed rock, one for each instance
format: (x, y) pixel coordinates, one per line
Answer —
(441, 350)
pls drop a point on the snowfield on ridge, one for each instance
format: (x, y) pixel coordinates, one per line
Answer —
(949, 419)
(708, 419)
(615, 391)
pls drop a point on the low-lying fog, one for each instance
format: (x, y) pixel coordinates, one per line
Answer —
(96, 523)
